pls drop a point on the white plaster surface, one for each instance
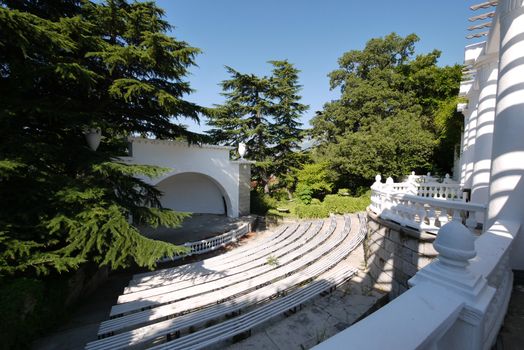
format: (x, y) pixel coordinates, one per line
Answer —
(191, 192)
(205, 172)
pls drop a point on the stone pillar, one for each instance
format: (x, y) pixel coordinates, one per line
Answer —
(469, 139)
(507, 172)
(456, 246)
(244, 188)
(487, 69)
(463, 108)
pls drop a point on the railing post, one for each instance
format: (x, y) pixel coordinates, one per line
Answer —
(412, 187)
(456, 246)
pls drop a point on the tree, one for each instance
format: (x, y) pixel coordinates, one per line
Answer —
(384, 120)
(67, 66)
(263, 113)
(285, 130)
(244, 118)
(313, 181)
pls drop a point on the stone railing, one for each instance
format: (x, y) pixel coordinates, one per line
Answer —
(424, 206)
(213, 243)
(456, 302)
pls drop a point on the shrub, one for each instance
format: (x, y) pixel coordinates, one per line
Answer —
(311, 211)
(313, 182)
(261, 203)
(342, 204)
(29, 307)
(332, 204)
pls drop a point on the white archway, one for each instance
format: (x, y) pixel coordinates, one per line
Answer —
(198, 176)
(194, 192)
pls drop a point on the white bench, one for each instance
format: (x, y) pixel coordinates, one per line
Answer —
(211, 263)
(251, 268)
(152, 333)
(243, 323)
(256, 276)
(192, 303)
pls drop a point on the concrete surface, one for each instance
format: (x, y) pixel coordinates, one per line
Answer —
(195, 228)
(511, 336)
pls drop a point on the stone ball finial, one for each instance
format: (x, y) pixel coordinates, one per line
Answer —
(389, 181)
(455, 244)
(447, 176)
(378, 178)
(428, 174)
(413, 173)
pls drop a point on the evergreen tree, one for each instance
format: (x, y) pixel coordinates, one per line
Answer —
(65, 67)
(286, 130)
(263, 113)
(244, 117)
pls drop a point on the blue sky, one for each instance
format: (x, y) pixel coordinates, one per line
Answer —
(312, 35)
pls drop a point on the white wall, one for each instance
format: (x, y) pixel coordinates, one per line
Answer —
(191, 192)
(211, 161)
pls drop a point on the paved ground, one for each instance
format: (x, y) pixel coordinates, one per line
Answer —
(195, 228)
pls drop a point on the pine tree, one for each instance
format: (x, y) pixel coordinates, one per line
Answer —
(67, 66)
(286, 130)
(262, 112)
(245, 117)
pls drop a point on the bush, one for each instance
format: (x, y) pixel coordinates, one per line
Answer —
(342, 204)
(313, 182)
(29, 307)
(332, 204)
(261, 203)
(311, 211)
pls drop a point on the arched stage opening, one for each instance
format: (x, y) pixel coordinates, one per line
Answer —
(194, 192)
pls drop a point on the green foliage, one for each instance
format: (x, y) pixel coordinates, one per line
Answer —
(261, 202)
(66, 67)
(272, 261)
(312, 211)
(263, 113)
(313, 181)
(29, 306)
(332, 204)
(387, 119)
(342, 205)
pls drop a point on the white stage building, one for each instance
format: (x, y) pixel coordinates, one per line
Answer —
(201, 179)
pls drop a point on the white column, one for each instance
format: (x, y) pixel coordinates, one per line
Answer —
(469, 139)
(487, 66)
(507, 172)
(464, 144)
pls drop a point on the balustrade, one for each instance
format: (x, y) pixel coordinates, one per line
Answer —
(424, 206)
(456, 302)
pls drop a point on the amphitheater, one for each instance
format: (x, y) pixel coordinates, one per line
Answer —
(211, 302)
